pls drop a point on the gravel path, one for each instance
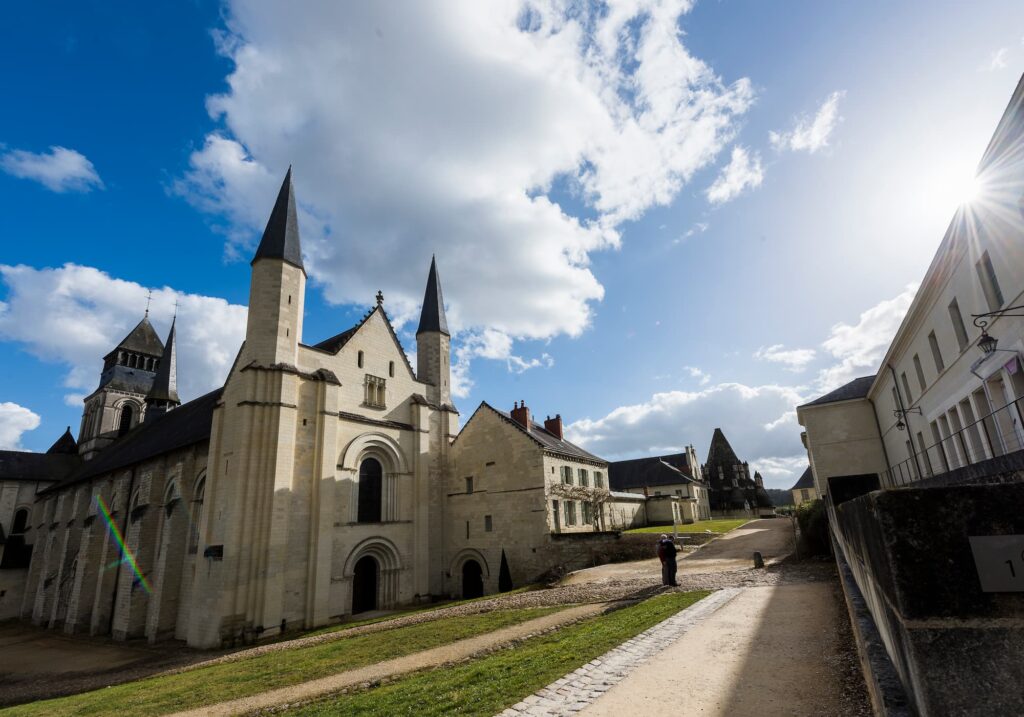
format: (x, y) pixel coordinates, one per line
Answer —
(367, 676)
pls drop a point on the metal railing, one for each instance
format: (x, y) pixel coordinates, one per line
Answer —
(999, 433)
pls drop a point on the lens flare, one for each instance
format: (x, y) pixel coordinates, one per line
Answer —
(126, 553)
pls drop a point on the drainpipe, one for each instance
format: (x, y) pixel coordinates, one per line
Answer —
(906, 419)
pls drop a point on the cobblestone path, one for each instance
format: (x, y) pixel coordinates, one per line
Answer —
(578, 689)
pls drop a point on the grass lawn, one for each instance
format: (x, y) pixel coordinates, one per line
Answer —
(715, 526)
(161, 695)
(488, 685)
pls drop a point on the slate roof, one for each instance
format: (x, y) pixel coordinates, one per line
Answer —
(806, 480)
(281, 237)
(23, 465)
(188, 424)
(432, 316)
(142, 339)
(541, 436)
(66, 444)
(720, 452)
(335, 343)
(857, 388)
(640, 472)
(165, 383)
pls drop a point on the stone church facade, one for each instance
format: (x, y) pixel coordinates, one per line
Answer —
(309, 487)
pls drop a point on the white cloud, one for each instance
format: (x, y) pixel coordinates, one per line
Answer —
(793, 359)
(14, 421)
(780, 472)
(703, 378)
(997, 60)
(861, 347)
(744, 170)
(811, 134)
(59, 170)
(74, 315)
(416, 129)
(488, 344)
(697, 228)
(668, 421)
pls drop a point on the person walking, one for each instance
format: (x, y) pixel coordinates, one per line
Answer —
(667, 556)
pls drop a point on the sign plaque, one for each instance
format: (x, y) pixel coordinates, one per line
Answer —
(999, 560)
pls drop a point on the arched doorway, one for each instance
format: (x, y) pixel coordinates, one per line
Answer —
(370, 479)
(364, 584)
(472, 580)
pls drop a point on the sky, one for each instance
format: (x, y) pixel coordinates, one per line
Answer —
(653, 218)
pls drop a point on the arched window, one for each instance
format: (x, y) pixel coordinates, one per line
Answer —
(370, 473)
(20, 521)
(197, 515)
(359, 359)
(126, 419)
(391, 369)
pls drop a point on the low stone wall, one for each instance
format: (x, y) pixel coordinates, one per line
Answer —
(957, 649)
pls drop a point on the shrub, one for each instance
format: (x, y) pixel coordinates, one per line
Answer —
(812, 518)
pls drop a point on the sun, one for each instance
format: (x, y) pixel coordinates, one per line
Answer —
(967, 189)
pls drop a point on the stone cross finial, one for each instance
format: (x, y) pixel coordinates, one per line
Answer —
(380, 297)
(149, 298)
(175, 308)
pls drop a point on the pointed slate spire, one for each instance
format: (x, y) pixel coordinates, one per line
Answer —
(65, 444)
(165, 383)
(432, 316)
(142, 339)
(281, 237)
(721, 452)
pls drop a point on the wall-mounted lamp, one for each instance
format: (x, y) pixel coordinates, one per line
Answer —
(901, 413)
(986, 342)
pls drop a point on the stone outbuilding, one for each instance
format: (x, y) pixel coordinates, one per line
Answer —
(803, 490)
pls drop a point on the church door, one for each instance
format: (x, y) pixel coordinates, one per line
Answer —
(472, 580)
(364, 585)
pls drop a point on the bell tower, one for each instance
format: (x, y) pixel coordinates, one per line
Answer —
(277, 289)
(433, 342)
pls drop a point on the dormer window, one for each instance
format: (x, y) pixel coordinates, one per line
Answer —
(375, 386)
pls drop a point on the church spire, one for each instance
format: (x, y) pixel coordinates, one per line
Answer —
(432, 316)
(281, 237)
(163, 396)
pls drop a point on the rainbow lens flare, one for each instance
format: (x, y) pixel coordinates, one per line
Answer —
(126, 553)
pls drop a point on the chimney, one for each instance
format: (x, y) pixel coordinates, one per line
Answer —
(521, 415)
(554, 425)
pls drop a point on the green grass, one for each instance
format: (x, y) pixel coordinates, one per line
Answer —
(488, 685)
(207, 685)
(715, 526)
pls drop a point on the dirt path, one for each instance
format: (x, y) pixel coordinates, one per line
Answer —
(771, 651)
(435, 657)
(734, 551)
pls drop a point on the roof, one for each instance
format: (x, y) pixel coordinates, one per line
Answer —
(66, 444)
(640, 472)
(432, 315)
(621, 495)
(336, 343)
(165, 383)
(806, 480)
(142, 339)
(857, 388)
(541, 436)
(720, 452)
(281, 237)
(188, 424)
(23, 465)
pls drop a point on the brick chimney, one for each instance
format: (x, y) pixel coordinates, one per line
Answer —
(521, 415)
(554, 425)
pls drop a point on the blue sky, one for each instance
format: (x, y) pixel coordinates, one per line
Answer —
(560, 168)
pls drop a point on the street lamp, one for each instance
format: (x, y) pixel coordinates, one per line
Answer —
(987, 343)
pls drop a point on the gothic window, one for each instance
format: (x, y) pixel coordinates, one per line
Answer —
(370, 485)
(20, 521)
(197, 516)
(375, 391)
(126, 419)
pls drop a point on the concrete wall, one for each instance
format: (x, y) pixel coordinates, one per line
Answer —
(625, 513)
(842, 439)
(959, 650)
